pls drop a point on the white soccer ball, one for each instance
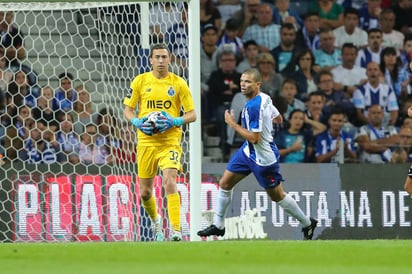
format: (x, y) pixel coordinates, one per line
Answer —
(152, 118)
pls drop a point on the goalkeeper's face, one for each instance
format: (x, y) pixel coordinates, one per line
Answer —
(160, 60)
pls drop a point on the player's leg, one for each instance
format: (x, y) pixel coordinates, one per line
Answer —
(147, 168)
(289, 205)
(170, 163)
(237, 169)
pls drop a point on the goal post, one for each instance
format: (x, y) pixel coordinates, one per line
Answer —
(104, 45)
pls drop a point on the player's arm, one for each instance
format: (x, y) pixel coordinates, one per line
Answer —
(129, 113)
(253, 137)
(189, 117)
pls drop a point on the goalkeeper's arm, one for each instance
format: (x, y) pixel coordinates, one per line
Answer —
(408, 182)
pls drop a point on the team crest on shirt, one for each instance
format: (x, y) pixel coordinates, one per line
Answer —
(171, 91)
(129, 93)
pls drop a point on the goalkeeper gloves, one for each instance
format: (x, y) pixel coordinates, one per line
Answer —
(165, 121)
(141, 124)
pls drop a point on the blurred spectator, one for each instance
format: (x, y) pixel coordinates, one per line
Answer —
(230, 39)
(271, 81)
(41, 146)
(162, 17)
(246, 16)
(126, 153)
(17, 132)
(399, 156)
(24, 89)
(227, 8)
(308, 36)
(209, 14)
(406, 55)
(65, 95)
(350, 32)
(369, 15)
(83, 111)
(391, 37)
(357, 4)
(375, 140)
(265, 33)
(208, 59)
(107, 129)
(283, 13)
(394, 75)
(296, 143)
(304, 75)
(373, 51)
(314, 107)
(333, 98)
(330, 12)
(286, 51)
(289, 91)
(327, 57)
(11, 38)
(335, 145)
(348, 76)
(403, 11)
(224, 83)
(89, 151)
(67, 138)
(250, 60)
(44, 107)
(405, 142)
(375, 93)
(177, 40)
(6, 75)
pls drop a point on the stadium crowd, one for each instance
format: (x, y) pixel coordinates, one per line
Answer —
(338, 71)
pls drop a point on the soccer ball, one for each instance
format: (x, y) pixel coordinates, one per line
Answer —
(152, 118)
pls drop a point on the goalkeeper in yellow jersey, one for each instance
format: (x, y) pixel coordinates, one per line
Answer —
(163, 91)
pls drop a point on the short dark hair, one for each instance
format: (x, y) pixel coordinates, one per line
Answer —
(349, 46)
(287, 26)
(372, 30)
(249, 43)
(310, 14)
(158, 46)
(66, 75)
(351, 10)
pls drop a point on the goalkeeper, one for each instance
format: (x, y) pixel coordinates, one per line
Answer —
(408, 182)
(159, 90)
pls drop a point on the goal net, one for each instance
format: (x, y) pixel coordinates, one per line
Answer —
(68, 156)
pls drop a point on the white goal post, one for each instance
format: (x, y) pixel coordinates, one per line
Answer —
(103, 45)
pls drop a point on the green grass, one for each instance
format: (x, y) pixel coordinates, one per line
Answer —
(256, 257)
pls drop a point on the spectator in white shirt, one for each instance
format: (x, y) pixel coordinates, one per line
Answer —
(350, 32)
(348, 75)
(391, 37)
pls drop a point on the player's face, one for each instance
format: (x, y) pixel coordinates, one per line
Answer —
(248, 86)
(160, 60)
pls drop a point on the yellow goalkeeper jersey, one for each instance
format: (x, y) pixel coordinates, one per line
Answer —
(169, 94)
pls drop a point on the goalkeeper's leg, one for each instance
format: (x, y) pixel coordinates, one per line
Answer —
(149, 205)
(173, 202)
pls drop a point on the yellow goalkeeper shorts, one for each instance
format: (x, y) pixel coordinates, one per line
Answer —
(149, 159)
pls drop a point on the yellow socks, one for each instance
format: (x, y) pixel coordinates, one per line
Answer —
(173, 209)
(150, 207)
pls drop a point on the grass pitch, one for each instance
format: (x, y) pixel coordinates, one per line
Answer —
(257, 257)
